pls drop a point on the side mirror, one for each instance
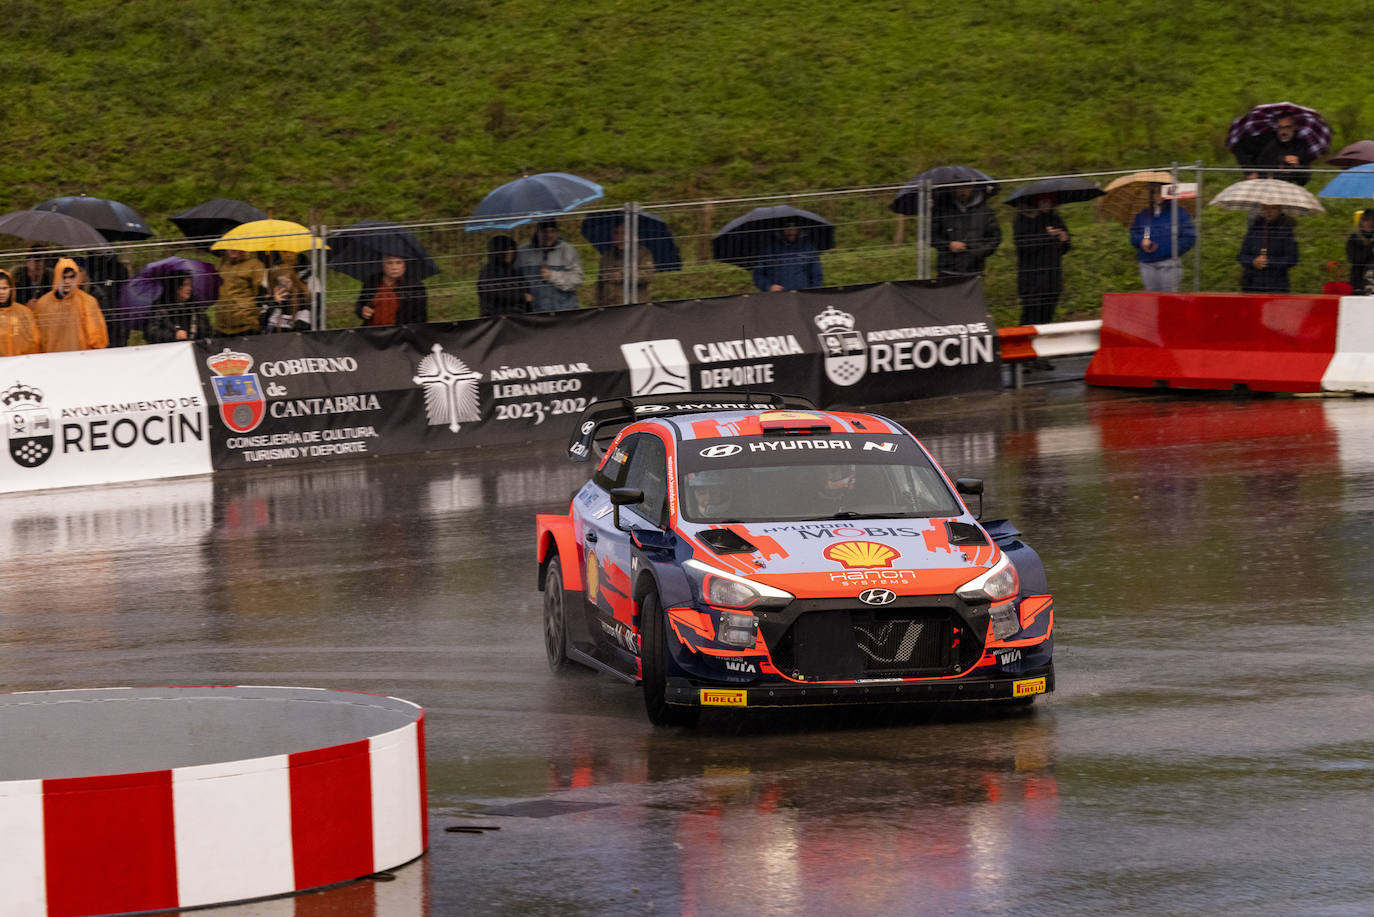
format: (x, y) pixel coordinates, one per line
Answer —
(624, 496)
(970, 487)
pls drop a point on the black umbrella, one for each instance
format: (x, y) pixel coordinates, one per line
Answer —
(358, 249)
(534, 196)
(1069, 190)
(653, 233)
(908, 200)
(50, 226)
(215, 217)
(116, 222)
(743, 240)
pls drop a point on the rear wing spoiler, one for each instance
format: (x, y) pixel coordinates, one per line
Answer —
(618, 411)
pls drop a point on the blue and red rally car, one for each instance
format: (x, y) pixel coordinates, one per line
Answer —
(748, 550)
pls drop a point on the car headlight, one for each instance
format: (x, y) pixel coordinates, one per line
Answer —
(994, 585)
(716, 587)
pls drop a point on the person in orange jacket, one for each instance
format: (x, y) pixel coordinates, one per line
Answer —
(68, 317)
(18, 330)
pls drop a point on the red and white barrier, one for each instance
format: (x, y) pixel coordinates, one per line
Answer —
(1043, 342)
(1278, 343)
(123, 800)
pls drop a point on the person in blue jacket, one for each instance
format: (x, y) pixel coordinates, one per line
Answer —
(1268, 251)
(788, 262)
(1161, 268)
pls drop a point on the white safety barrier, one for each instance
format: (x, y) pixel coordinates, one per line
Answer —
(1352, 365)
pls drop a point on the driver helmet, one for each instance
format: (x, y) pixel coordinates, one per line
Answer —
(709, 492)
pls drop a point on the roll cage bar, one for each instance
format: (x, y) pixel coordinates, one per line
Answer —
(583, 447)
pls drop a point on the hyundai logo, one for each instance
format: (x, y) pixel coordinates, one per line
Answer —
(721, 451)
(877, 596)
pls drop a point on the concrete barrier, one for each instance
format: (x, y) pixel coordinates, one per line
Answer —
(122, 800)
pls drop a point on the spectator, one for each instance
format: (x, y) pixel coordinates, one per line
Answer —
(107, 278)
(501, 288)
(1359, 251)
(788, 262)
(18, 330)
(395, 296)
(175, 316)
(610, 280)
(35, 277)
(285, 306)
(1278, 155)
(1268, 251)
(68, 317)
(964, 231)
(241, 278)
(1041, 239)
(552, 268)
(1161, 270)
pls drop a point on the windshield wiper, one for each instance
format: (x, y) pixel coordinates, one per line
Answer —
(851, 514)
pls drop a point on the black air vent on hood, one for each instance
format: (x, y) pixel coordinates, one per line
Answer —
(724, 541)
(961, 533)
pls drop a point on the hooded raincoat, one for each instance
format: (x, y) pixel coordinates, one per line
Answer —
(970, 222)
(18, 330)
(236, 310)
(71, 322)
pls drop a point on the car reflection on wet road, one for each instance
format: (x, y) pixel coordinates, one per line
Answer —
(1208, 748)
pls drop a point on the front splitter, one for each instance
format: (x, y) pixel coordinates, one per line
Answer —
(1026, 685)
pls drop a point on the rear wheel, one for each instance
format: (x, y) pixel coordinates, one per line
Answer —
(555, 618)
(653, 654)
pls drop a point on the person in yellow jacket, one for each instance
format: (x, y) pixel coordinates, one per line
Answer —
(18, 330)
(241, 278)
(68, 317)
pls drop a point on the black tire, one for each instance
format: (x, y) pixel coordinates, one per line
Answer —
(653, 653)
(555, 618)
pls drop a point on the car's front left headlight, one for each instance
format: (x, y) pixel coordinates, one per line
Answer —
(994, 585)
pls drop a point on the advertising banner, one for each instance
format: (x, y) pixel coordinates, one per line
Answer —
(278, 399)
(101, 416)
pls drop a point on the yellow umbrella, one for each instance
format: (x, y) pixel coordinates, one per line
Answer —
(269, 236)
(1130, 194)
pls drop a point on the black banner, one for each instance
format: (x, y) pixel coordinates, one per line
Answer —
(287, 398)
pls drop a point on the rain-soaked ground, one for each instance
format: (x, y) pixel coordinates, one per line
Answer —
(1210, 749)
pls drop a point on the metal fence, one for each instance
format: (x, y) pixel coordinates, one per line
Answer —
(872, 244)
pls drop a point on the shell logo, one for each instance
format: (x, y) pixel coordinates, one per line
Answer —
(851, 554)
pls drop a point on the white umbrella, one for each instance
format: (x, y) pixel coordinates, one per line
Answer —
(1254, 193)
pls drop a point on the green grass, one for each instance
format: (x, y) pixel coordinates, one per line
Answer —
(401, 111)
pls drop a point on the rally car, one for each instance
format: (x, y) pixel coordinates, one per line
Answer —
(744, 550)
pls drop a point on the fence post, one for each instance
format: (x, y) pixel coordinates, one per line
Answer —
(317, 273)
(1197, 233)
(629, 270)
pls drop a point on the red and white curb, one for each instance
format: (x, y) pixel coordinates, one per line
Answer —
(101, 828)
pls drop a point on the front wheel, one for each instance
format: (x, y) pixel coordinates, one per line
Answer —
(555, 618)
(653, 652)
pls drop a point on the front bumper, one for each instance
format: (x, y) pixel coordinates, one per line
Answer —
(1027, 684)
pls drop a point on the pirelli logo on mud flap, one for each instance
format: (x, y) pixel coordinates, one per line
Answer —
(1022, 688)
(712, 698)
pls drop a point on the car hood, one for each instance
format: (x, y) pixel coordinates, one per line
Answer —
(909, 556)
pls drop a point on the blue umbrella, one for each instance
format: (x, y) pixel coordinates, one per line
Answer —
(527, 199)
(1357, 181)
(654, 235)
(908, 200)
(744, 240)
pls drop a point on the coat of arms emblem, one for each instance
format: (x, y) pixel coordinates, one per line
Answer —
(240, 397)
(845, 350)
(29, 425)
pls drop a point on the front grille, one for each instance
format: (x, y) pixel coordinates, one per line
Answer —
(850, 644)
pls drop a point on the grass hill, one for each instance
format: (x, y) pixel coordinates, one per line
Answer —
(396, 110)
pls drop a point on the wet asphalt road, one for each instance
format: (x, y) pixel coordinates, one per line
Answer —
(1209, 750)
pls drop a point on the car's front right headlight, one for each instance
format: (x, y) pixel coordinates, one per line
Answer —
(726, 590)
(998, 583)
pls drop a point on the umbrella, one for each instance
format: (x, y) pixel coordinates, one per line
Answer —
(1254, 193)
(528, 198)
(116, 222)
(743, 240)
(215, 217)
(1357, 154)
(1250, 129)
(908, 200)
(269, 236)
(51, 226)
(146, 287)
(1126, 196)
(1068, 190)
(653, 233)
(358, 250)
(1357, 181)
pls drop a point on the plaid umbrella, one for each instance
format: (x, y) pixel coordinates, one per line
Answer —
(1254, 193)
(1130, 194)
(1309, 126)
(1357, 154)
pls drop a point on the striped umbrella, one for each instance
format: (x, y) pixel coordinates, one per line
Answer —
(1254, 193)
(1308, 126)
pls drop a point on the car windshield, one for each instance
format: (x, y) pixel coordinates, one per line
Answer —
(776, 493)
